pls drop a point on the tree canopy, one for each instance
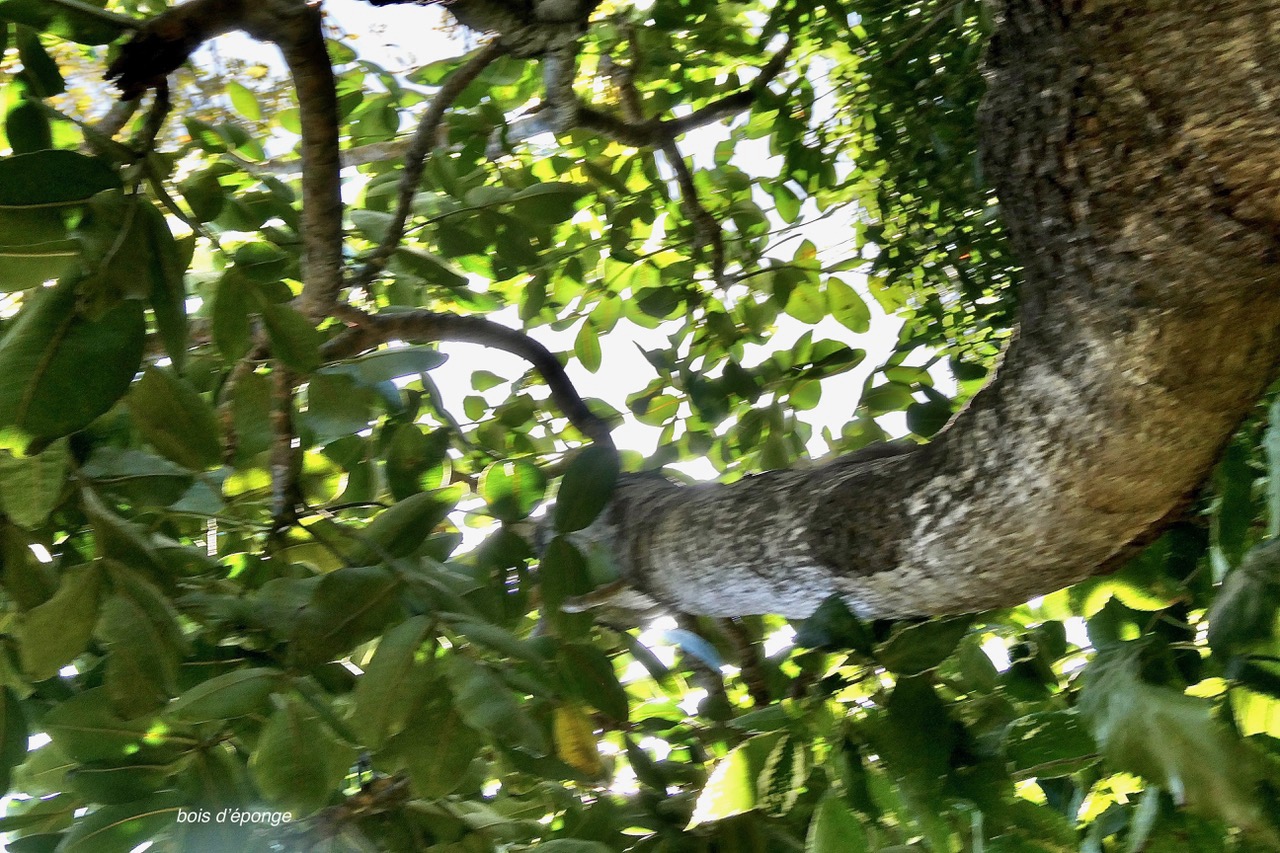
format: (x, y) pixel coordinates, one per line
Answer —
(264, 586)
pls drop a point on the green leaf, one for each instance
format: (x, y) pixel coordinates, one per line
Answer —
(54, 178)
(889, 397)
(31, 486)
(142, 658)
(169, 261)
(55, 633)
(121, 828)
(835, 828)
(245, 102)
(848, 307)
(82, 25)
(586, 488)
(175, 419)
(833, 627)
(34, 248)
(117, 782)
(231, 300)
(13, 736)
(807, 304)
(225, 697)
(587, 346)
(512, 489)
(39, 70)
(54, 376)
(27, 125)
(384, 698)
(730, 790)
(781, 781)
(293, 339)
(85, 729)
(385, 365)
(1049, 744)
(349, 606)
(548, 203)
(398, 531)
(1243, 615)
(432, 269)
(591, 677)
(437, 746)
(336, 407)
(410, 455)
(298, 764)
(916, 648)
(485, 702)
(563, 573)
(1170, 739)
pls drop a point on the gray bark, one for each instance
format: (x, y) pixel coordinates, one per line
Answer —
(1135, 149)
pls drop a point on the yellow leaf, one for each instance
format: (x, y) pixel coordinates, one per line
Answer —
(576, 740)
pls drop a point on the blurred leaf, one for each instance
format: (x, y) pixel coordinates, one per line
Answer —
(30, 486)
(385, 695)
(297, 763)
(55, 633)
(587, 485)
(487, 704)
(512, 489)
(54, 378)
(916, 648)
(175, 419)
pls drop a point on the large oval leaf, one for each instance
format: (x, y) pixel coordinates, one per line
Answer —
(59, 370)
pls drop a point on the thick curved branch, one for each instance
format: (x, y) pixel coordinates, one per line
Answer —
(422, 326)
(1141, 202)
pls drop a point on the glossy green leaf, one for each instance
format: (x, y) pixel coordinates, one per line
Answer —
(175, 419)
(121, 828)
(31, 486)
(293, 339)
(916, 648)
(349, 605)
(437, 746)
(385, 696)
(225, 697)
(83, 25)
(485, 702)
(1049, 744)
(400, 530)
(591, 676)
(55, 633)
(54, 378)
(587, 485)
(512, 489)
(835, 829)
(55, 178)
(298, 763)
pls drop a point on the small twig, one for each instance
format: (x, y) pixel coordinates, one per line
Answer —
(285, 496)
(226, 398)
(423, 140)
(705, 226)
(750, 661)
(375, 330)
(144, 142)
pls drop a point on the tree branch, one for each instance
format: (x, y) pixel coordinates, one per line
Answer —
(423, 326)
(424, 139)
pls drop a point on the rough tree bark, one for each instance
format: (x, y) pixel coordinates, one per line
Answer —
(1134, 148)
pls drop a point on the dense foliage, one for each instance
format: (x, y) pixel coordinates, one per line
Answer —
(182, 664)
